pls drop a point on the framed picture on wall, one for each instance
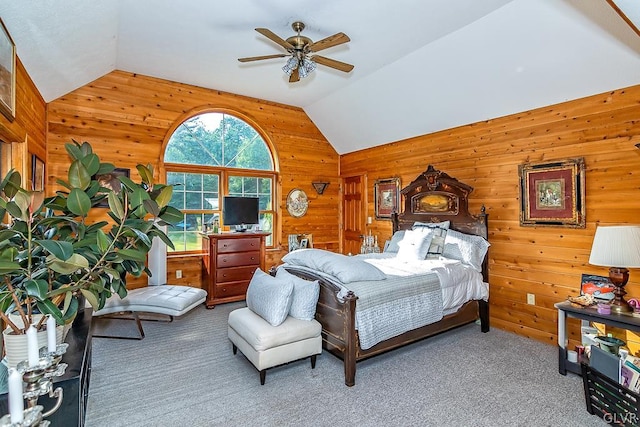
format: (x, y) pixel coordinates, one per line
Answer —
(387, 197)
(553, 193)
(112, 182)
(37, 173)
(7, 73)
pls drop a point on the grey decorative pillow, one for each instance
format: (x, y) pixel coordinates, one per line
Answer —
(395, 239)
(305, 295)
(345, 269)
(269, 297)
(467, 248)
(438, 231)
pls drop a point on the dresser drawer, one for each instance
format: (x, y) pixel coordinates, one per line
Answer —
(239, 245)
(234, 274)
(238, 259)
(231, 289)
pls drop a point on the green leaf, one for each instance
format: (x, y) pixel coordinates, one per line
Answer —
(151, 207)
(91, 297)
(78, 202)
(11, 183)
(79, 176)
(59, 249)
(15, 211)
(70, 310)
(133, 254)
(138, 196)
(115, 205)
(47, 307)
(164, 197)
(23, 200)
(92, 163)
(7, 267)
(104, 242)
(105, 168)
(171, 215)
(75, 262)
(73, 149)
(36, 288)
(146, 174)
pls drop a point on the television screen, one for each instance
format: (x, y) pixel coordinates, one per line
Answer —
(240, 211)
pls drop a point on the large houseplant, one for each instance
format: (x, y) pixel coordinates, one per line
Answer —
(50, 253)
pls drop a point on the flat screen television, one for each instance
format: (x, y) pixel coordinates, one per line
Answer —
(240, 212)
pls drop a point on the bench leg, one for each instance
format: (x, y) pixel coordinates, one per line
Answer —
(115, 317)
(313, 361)
(263, 375)
(234, 348)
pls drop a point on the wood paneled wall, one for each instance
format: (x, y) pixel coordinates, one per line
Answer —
(547, 262)
(29, 124)
(127, 117)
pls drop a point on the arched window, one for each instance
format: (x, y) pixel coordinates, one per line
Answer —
(211, 155)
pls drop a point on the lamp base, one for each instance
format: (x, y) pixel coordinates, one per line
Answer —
(619, 277)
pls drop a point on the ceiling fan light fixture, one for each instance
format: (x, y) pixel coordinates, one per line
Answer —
(291, 65)
(306, 66)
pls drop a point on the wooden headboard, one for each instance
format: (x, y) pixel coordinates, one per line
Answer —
(434, 196)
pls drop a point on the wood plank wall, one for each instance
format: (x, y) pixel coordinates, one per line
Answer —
(127, 117)
(547, 262)
(29, 124)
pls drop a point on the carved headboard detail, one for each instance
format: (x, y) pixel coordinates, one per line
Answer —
(434, 196)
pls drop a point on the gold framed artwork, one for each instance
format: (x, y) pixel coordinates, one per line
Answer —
(7, 73)
(37, 173)
(553, 193)
(387, 197)
(297, 203)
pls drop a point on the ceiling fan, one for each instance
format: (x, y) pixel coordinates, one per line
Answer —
(300, 50)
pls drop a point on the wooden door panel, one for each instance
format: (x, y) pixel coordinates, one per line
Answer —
(353, 213)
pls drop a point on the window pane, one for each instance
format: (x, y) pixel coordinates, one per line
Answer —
(266, 224)
(211, 183)
(193, 182)
(211, 201)
(193, 200)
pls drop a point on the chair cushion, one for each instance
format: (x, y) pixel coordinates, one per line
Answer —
(263, 336)
(171, 300)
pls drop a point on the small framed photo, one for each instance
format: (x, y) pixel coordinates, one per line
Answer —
(553, 193)
(37, 173)
(387, 197)
(599, 286)
(111, 181)
(7, 74)
(303, 243)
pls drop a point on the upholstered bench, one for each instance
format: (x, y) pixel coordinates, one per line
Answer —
(266, 346)
(169, 300)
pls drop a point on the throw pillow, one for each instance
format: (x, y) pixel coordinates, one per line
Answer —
(305, 295)
(414, 246)
(345, 269)
(393, 243)
(467, 248)
(269, 297)
(438, 231)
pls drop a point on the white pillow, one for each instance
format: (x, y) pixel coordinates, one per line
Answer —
(414, 246)
(395, 239)
(269, 297)
(438, 231)
(345, 269)
(467, 248)
(305, 295)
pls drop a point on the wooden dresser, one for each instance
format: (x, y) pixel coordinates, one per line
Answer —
(229, 261)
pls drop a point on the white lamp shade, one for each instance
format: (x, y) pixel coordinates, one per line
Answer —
(616, 246)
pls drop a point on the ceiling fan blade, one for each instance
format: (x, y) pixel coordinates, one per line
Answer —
(334, 40)
(295, 76)
(342, 66)
(258, 58)
(275, 38)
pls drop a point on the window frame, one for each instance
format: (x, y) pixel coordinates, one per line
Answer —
(225, 172)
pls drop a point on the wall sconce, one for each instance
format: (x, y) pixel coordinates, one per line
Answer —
(319, 186)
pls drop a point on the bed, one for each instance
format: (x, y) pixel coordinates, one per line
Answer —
(432, 198)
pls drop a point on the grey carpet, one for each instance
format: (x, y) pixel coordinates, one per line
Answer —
(184, 373)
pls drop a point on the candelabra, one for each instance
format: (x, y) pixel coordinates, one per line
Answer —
(37, 380)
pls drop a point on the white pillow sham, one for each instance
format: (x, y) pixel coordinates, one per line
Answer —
(467, 248)
(414, 245)
(438, 231)
(393, 243)
(345, 269)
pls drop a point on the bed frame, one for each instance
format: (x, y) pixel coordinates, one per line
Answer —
(433, 196)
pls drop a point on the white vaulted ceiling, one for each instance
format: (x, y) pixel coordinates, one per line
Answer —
(420, 65)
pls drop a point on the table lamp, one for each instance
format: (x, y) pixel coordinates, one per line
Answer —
(617, 247)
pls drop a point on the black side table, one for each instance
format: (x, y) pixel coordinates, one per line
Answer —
(565, 309)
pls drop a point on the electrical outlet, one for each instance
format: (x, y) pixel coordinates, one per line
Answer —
(178, 274)
(531, 299)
